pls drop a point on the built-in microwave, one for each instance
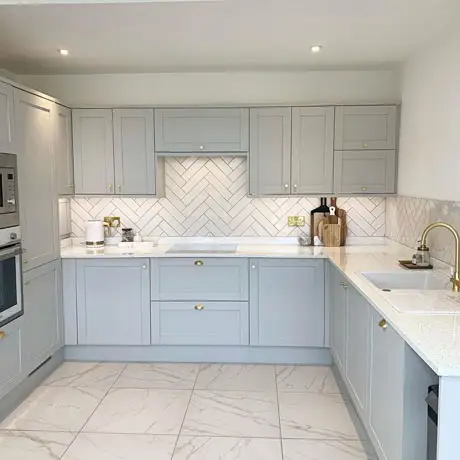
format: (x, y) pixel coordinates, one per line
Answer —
(9, 211)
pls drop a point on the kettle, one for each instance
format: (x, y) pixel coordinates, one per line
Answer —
(94, 234)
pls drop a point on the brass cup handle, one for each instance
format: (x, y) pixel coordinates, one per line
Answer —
(199, 307)
(2, 335)
(199, 263)
(383, 324)
(365, 145)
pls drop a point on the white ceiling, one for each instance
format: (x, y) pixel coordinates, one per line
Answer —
(224, 35)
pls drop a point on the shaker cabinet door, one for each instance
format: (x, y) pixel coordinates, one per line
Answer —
(365, 127)
(10, 356)
(270, 151)
(63, 150)
(134, 152)
(93, 151)
(38, 202)
(312, 150)
(7, 119)
(339, 299)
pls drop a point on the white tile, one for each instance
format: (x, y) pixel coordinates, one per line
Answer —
(232, 413)
(55, 409)
(315, 416)
(140, 411)
(301, 449)
(168, 376)
(213, 448)
(33, 445)
(236, 377)
(312, 379)
(99, 446)
(94, 375)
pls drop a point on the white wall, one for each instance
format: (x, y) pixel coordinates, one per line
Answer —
(429, 160)
(220, 88)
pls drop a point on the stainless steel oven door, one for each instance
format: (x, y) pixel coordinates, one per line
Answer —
(11, 304)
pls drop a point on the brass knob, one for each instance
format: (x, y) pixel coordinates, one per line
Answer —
(199, 307)
(383, 324)
(253, 267)
(286, 185)
(199, 263)
(25, 261)
(363, 189)
(201, 147)
(144, 267)
(295, 186)
(110, 186)
(365, 145)
(2, 335)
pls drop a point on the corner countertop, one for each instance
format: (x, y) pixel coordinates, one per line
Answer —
(429, 321)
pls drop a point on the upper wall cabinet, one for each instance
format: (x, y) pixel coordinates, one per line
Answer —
(270, 152)
(6, 118)
(63, 150)
(93, 151)
(312, 150)
(114, 152)
(205, 132)
(365, 127)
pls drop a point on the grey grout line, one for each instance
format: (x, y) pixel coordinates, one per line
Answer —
(279, 412)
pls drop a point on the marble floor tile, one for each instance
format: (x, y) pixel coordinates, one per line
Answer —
(168, 376)
(312, 379)
(213, 448)
(316, 416)
(54, 409)
(232, 413)
(33, 445)
(94, 375)
(99, 446)
(302, 449)
(246, 377)
(143, 411)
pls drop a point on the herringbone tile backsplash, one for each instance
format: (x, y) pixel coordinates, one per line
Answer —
(208, 197)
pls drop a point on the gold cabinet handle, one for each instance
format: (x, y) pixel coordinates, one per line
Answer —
(286, 185)
(363, 189)
(344, 285)
(199, 307)
(2, 335)
(383, 324)
(110, 186)
(365, 145)
(201, 147)
(199, 263)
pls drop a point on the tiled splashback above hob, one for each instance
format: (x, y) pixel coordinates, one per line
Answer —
(208, 197)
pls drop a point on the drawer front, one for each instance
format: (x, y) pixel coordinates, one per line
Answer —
(10, 356)
(199, 278)
(200, 323)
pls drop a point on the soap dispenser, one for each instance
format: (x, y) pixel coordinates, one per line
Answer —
(422, 256)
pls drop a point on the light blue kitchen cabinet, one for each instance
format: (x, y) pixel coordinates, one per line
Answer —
(365, 172)
(63, 150)
(202, 131)
(93, 151)
(357, 349)
(38, 204)
(10, 356)
(312, 150)
(113, 301)
(43, 318)
(287, 306)
(135, 162)
(200, 323)
(69, 300)
(7, 119)
(338, 317)
(270, 151)
(365, 127)
(200, 279)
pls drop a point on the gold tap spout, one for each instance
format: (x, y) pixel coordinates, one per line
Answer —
(456, 276)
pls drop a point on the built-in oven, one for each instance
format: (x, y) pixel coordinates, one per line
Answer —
(9, 211)
(11, 304)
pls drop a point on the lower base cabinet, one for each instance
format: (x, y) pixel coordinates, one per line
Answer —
(42, 330)
(113, 301)
(200, 323)
(10, 356)
(287, 302)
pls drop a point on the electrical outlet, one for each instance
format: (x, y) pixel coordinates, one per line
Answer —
(296, 221)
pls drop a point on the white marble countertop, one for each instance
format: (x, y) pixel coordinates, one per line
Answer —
(432, 329)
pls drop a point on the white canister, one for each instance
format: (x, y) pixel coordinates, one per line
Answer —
(95, 234)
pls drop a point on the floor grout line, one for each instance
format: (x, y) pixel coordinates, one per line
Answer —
(279, 413)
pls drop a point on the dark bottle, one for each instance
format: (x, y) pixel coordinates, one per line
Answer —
(316, 215)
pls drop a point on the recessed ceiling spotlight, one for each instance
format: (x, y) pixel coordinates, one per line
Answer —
(316, 48)
(64, 52)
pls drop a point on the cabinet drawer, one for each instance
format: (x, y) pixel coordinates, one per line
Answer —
(200, 323)
(203, 278)
(10, 356)
(201, 130)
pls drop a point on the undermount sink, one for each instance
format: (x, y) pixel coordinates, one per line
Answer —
(410, 281)
(202, 249)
